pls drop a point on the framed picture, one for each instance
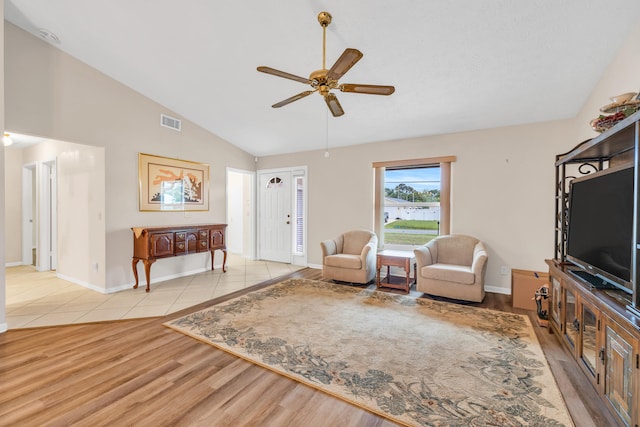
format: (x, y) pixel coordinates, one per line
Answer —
(167, 184)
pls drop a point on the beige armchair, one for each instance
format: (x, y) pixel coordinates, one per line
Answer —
(350, 257)
(452, 266)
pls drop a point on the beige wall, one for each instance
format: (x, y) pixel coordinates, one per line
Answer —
(502, 189)
(502, 185)
(622, 76)
(3, 226)
(50, 94)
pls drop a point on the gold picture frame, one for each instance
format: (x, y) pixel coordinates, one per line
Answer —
(169, 185)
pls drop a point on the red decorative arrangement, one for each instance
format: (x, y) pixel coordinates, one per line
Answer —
(622, 106)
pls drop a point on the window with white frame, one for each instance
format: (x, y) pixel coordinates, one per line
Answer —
(411, 205)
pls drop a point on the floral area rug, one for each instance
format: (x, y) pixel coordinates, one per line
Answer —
(412, 360)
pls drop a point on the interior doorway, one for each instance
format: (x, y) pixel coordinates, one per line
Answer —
(240, 213)
(39, 220)
(29, 245)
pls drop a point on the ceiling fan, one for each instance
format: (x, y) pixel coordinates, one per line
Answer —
(323, 80)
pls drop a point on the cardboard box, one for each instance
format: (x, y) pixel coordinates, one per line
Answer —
(524, 284)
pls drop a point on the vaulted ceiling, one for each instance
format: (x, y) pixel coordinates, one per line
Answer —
(456, 65)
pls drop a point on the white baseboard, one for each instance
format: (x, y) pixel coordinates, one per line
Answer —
(13, 264)
(316, 266)
(81, 283)
(497, 290)
(4, 327)
(142, 283)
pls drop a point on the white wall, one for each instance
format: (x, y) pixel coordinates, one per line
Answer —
(240, 213)
(52, 95)
(13, 162)
(80, 208)
(235, 229)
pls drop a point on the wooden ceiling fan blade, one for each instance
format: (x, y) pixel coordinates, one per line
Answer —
(334, 105)
(347, 60)
(293, 98)
(370, 89)
(283, 74)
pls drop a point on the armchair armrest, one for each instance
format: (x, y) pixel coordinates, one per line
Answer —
(329, 247)
(479, 259)
(423, 256)
(368, 252)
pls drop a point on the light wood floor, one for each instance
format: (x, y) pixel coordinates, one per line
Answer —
(138, 372)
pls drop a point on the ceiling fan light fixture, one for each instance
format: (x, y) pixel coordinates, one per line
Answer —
(48, 35)
(7, 140)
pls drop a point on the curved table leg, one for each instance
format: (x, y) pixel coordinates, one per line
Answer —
(224, 261)
(134, 264)
(147, 271)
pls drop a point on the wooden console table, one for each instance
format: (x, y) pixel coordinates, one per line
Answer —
(152, 243)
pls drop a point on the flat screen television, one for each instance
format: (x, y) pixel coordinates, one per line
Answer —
(600, 226)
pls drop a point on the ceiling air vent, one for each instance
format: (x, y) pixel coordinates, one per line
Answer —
(170, 122)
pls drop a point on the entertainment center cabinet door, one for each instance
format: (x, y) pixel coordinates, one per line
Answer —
(590, 342)
(571, 324)
(621, 372)
(555, 303)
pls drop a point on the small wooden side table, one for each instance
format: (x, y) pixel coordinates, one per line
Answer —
(396, 258)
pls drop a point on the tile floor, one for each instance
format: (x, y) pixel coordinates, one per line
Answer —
(41, 299)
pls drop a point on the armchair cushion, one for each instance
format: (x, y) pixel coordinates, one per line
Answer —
(344, 261)
(449, 273)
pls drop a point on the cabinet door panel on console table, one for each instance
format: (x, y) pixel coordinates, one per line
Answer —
(152, 243)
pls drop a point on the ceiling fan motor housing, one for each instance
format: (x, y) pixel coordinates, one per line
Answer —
(319, 80)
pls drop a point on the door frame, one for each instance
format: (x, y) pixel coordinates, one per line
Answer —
(296, 258)
(29, 211)
(43, 213)
(50, 213)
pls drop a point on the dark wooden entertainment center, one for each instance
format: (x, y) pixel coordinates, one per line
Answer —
(152, 243)
(600, 328)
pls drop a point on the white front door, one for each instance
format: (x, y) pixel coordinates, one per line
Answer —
(275, 216)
